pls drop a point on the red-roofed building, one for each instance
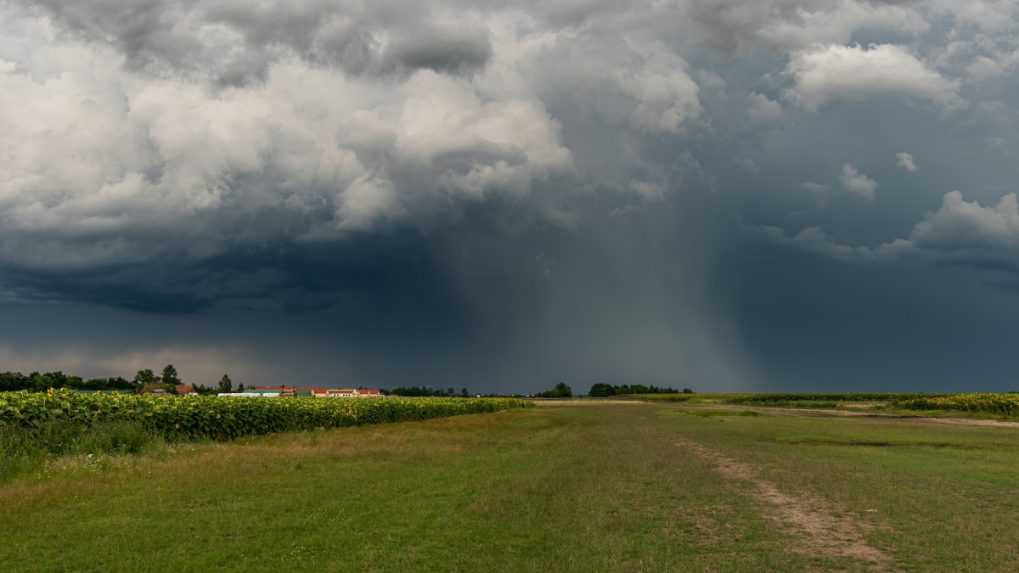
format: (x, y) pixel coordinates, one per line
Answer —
(283, 390)
(160, 388)
(334, 392)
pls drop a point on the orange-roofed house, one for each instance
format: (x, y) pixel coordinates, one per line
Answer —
(282, 390)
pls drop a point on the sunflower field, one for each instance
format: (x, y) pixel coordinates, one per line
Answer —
(208, 417)
(1005, 404)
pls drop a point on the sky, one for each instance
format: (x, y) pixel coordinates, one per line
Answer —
(717, 194)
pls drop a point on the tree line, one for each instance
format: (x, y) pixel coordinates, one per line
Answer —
(601, 390)
(143, 380)
(42, 381)
(560, 390)
(604, 390)
(424, 391)
(168, 381)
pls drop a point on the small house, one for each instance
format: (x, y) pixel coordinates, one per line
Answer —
(333, 392)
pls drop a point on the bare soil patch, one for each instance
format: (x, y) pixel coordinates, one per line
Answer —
(823, 530)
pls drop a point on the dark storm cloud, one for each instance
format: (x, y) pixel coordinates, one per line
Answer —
(501, 195)
(816, 322)
(296, 278)
(235, 43)
(443, 51)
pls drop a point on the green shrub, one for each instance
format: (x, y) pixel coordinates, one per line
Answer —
(114, 437)
(19, 452)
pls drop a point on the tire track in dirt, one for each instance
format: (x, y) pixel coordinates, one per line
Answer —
(812, 519)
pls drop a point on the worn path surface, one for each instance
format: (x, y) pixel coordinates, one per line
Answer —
(822, 530)
(821, 412)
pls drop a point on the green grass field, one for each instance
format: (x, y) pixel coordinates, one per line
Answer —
(563, 487)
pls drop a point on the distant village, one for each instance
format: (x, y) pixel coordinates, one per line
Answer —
(288, 391)
(225, 389)
(169, 382)
(260, 391)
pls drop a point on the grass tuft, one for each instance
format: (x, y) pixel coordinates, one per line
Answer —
(24, 450)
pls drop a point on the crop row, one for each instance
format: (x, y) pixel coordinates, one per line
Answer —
(200, 417)
(826, 397)
(770, 399)
(1007, 404)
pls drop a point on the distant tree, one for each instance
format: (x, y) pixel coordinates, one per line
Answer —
(687, 391)
(120, 383)
(226, 385)
(202, 390)
(241, 388)
(144, 377)
(170, 375)
(624, 389)
(602, 390)
(464, 392)
(11, 381)
(561, 390)
(40, 382)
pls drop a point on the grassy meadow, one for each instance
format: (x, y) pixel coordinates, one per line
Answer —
(567, 486)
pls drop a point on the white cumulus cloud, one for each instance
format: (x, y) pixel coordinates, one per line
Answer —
(825, 74)
(857, 183)
(959, 231)
(905, 161)
(961, 224)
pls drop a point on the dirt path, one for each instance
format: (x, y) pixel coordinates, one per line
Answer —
(585, 402)
(857, 414)
(813, 520)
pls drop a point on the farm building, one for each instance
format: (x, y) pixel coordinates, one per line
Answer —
(248, 395)
(290, 391)
(278, 390)
(344, 392)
